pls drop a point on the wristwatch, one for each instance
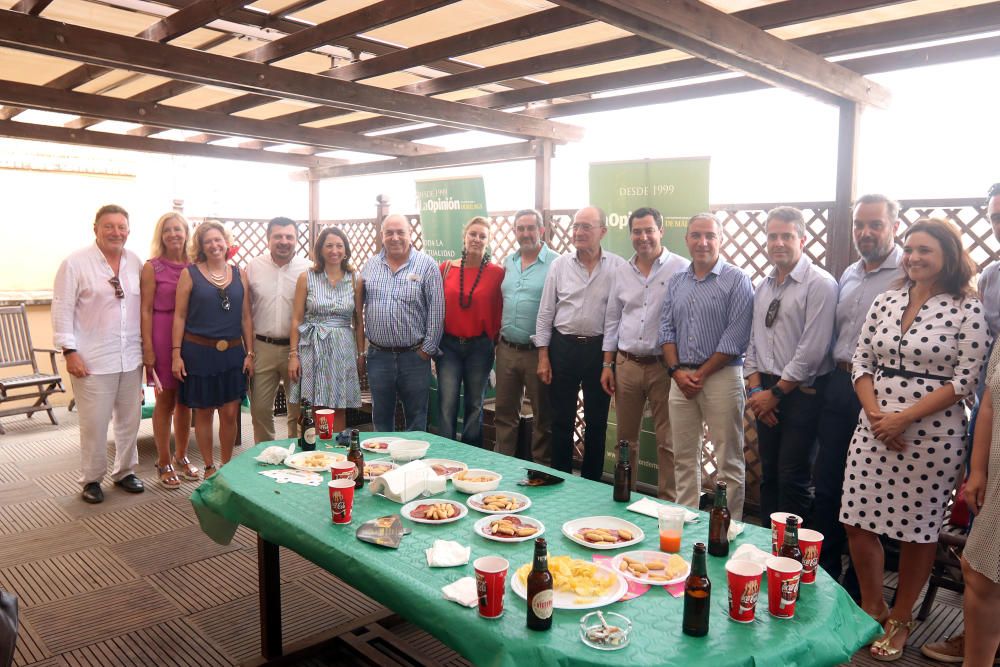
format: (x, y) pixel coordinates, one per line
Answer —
(607, 365)
(673, 369)
(778, 393)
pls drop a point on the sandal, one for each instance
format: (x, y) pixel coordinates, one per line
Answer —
(186, 469)
(881, 617)
(168, 476)
(211, 470)
(882, 649)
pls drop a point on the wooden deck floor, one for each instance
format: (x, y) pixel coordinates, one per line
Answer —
(133, 581)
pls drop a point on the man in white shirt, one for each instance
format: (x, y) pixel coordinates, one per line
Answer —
(95, 322)
(272, 276)
(569, 332)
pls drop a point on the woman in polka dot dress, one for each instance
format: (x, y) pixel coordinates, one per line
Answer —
(918, 357)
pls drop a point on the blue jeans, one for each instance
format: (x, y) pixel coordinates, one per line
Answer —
(402, 375)
(464, 365)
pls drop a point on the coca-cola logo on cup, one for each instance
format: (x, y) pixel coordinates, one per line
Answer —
(789, 591)
(338, 505)
(481, 589)
(810, 558)
(748, 600)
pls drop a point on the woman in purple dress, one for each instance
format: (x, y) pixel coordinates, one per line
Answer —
(158, 285)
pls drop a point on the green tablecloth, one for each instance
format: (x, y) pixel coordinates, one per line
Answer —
(827, 629)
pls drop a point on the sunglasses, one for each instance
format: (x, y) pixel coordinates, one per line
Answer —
(224, 299)
(772, 313)
(119, 292)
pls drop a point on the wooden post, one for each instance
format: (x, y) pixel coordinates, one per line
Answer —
(381, 210)
(840, 251)
(313, 210)
(543, 183)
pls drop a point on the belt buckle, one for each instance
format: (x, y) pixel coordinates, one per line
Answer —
(222, 345)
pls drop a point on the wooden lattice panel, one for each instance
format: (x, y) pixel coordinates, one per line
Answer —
(558, 230)
(360, 234)
(251, 237)
(971, 219)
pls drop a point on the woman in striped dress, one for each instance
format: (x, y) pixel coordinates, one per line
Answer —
(326, 357)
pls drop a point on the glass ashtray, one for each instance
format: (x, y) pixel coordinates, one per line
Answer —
(613, 634)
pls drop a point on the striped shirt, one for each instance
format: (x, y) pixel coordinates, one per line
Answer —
(708, 315)
(632, 319)
(796, 346)
(404, 307)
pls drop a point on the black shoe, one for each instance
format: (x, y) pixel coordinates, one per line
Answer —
(92, 493)
(131, 483)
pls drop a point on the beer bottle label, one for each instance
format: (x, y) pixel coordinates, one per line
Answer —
(310, 436)
(541, 604)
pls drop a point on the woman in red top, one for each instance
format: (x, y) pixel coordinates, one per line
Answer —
(472, 305)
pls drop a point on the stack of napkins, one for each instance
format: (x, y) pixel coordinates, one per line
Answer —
(751, 553)
(650, 507)
(408, 482)
(462, 591)
(446, 553)
(286, 475)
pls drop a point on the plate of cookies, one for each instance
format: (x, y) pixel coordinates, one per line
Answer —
(603, 532)
(654, 568)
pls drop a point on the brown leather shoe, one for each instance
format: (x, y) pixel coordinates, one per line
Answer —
(950, 650)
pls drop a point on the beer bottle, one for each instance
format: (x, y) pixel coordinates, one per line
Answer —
(790, 547)
(718, 523)
(307, 439)
(540, 589)
(357, 457)
(623, 474)
(697, 595)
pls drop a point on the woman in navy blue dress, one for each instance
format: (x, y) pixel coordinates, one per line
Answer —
(212, 340)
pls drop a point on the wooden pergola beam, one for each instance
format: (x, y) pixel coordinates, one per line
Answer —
(361, 20)
(33, 7)
(532, 25)
(190, 18)
(101, 106)
(63, 135)
(524, 150)
(20, 31)
(729, 42)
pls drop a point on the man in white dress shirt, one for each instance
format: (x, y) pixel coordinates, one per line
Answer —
(95, 322)
(569, 332)
(272, 276)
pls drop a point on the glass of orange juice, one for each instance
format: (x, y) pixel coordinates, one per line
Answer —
(671, 520)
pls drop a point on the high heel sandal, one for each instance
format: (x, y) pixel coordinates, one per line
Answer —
(882, 649)
(186, 469)
(211, 470)
(168, 476)
(881, 617)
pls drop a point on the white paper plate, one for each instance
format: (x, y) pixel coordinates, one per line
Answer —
(447, 462)
(409, 507)
(525, 502)
(566, 599)
(296, 461)
(570, 528)
(481, 528)
(368, 444)
(646, 556)
(388, 462)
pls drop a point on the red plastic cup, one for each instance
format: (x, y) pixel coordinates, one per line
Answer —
(324, 423)
(343, 470)
(811, 543)
(341, 499)
(744, 587)
(491, 577)
(778, 520)
(783, 576)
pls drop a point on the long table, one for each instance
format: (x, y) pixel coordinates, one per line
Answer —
(827, 629)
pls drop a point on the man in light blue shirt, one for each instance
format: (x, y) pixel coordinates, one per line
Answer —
(793, 318)
(876, 220)
(404, 320)
(517, 356)
(989, 280)
(633, 370)
(704, 332)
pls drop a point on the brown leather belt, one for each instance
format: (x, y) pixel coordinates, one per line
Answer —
(219, 344)
(397, 350)
(281, 342)
(643, 361)
(845, 366)
(523, 347)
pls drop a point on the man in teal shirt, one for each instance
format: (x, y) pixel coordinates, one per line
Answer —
(517, 357)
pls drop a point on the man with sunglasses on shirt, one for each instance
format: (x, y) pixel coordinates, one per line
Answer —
(876, 220)
(793, 320)
(95, 322)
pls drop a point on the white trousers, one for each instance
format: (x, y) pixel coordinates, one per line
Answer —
(99, 398)
(719, 405)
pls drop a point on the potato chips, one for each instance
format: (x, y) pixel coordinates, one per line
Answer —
(573, 575)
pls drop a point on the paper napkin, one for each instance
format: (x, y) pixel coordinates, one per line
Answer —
(446, 553)
(462, 591)
(650, 507)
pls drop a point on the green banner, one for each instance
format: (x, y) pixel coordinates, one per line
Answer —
(445, 205)
(677, 188)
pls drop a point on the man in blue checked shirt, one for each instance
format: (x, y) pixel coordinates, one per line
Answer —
(704, 332)
(788, 357)
(404, 319)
